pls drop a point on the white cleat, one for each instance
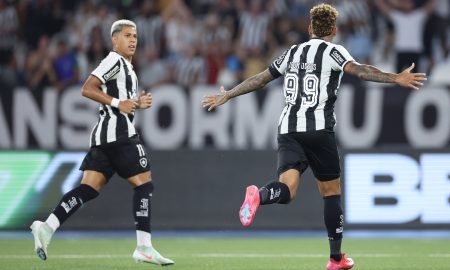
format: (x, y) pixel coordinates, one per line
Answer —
(42, 234)
(150, 255)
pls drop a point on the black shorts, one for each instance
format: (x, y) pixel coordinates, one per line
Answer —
(317, 149)
(127, 158)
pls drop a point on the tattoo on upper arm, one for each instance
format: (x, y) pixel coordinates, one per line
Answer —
(251, 84)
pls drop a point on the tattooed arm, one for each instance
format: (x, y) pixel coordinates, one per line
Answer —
(249, 85)
(373, 74)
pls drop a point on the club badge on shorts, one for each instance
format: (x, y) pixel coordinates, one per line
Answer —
(143, 162)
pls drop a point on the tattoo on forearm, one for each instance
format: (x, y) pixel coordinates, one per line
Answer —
(371, 73)
(251, 84)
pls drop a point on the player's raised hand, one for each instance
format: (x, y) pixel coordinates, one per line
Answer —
(128, 105)
(410, 80)
(213, 101)
(145, 100)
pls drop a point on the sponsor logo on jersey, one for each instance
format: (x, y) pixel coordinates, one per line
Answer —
(337, 56)
(111, 73)
(280, 59)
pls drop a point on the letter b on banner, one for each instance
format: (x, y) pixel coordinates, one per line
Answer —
(413, 190)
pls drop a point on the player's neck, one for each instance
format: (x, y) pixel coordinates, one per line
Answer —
(128, 58)
(328, 38)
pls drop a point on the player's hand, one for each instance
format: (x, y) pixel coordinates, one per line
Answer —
(128, 106)
(213, 101)
(410, 80)
(145, 100)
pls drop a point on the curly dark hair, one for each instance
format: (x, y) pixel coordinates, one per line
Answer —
(323, 19)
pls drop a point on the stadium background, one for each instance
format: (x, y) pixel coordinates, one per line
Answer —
(394, 143)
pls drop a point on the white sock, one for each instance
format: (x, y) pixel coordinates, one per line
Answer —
(143, 238)
(53, 222)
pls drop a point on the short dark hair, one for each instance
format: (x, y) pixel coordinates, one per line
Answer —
(323, 19)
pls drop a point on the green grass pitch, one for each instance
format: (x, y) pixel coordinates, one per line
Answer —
(227, 254)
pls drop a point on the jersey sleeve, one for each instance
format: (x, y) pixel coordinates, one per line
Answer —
(107, 69)
(278, 67)
(339, 57)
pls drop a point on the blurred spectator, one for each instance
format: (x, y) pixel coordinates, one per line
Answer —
(9, 26)
(149, 26)
(354, 25)
(42, 17)
(215, 42)
(97, 49)
(39, 72)
(153, 71)
(179, 29)
(254, 26)
(65, 65)
(409, 25)
(190, 68)
(437, 26)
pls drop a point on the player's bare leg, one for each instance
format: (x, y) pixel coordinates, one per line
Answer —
(144, 252)
(334, 221)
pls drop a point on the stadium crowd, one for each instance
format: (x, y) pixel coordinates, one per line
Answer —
(57, 42)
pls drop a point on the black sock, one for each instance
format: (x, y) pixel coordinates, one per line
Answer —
(73, 200)
(142, 206)
(334, 221)
(275, 192)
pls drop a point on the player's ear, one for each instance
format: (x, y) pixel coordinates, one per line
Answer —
(310, 30)
(114, 40)
(334, 32)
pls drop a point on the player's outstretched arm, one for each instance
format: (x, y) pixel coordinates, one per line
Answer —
(92, 90)
(249, 85)
(373, 74)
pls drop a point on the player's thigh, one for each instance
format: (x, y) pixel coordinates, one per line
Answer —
(290, 154)
(321, 151)
(96, 180)
(130, 159)
(97, 168)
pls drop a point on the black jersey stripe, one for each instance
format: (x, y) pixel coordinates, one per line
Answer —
(309, 114)
(292, 124)
(104, 129)
(93, 133)
(128, 80)
(121, 125)
(330, 121)
(129, 86)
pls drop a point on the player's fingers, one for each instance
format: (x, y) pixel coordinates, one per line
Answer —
(420, 77)
(417, 83)
(411, 67)
(412, 86)
(211, 107)
(222, 90)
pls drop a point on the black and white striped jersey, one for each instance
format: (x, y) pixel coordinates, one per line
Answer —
(312, 74)
(119, 81)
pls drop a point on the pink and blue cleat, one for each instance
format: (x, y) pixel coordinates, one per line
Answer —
(250, 205)
(344, 263)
